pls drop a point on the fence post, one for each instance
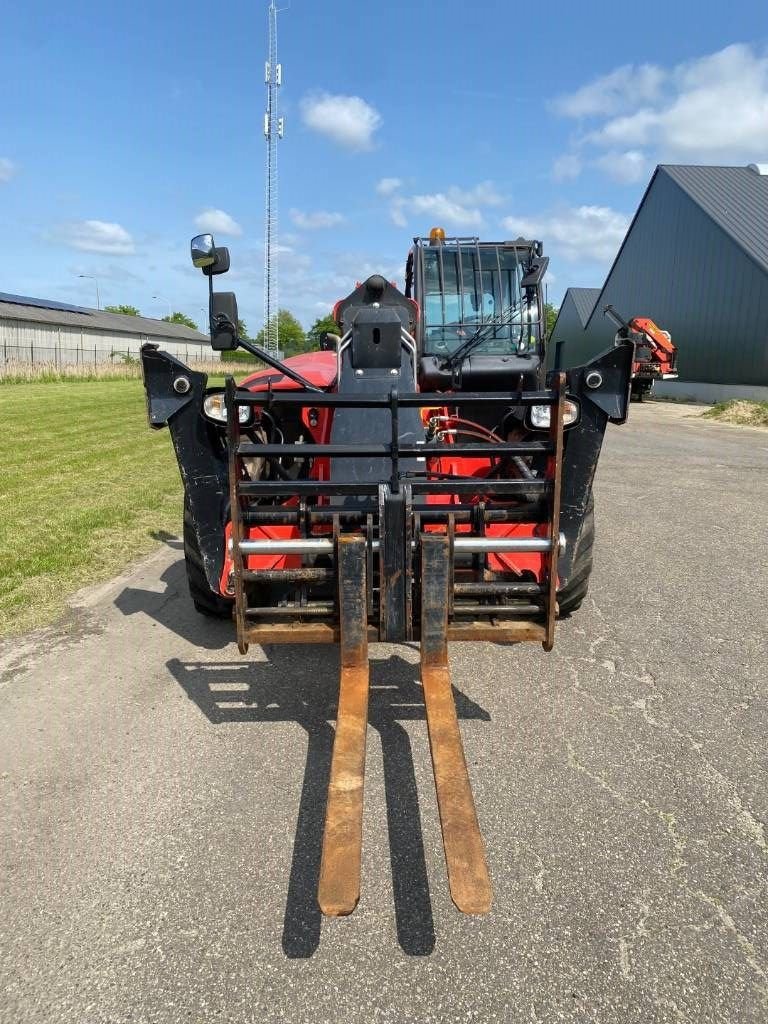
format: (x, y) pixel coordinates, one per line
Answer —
(32, 351)
(94, 355)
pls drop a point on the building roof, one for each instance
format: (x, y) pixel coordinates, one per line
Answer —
(736, 198)
(61, 314)
(584, 300)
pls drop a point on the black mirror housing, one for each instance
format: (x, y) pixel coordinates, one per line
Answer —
(535, 274)
(224, 321)
(220, 264)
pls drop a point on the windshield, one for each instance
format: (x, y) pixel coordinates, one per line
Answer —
(469, 289)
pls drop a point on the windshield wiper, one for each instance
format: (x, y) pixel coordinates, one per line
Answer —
(502, 319)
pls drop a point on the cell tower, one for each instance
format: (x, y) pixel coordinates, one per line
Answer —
(273, 132)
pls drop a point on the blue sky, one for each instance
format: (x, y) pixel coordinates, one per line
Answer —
(128, 126)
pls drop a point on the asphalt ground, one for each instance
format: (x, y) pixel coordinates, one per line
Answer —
(162, 797)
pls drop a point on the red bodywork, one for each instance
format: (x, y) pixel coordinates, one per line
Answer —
(320, 369)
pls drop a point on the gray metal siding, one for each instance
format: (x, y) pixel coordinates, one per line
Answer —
(584, 299)
(568, 328)
(680, 268)
(736, 198)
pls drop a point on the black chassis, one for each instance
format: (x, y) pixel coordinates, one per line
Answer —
(175, 395)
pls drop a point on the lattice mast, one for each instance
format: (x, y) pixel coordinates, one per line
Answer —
(273, 132)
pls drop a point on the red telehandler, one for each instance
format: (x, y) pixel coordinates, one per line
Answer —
(421, 479)
(655, 355)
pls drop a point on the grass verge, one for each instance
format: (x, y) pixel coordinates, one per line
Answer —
(85, 486)
(740, 412)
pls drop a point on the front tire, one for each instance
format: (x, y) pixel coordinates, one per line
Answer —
(572, 595)
(213, 606)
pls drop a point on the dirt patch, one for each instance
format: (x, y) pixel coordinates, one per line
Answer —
(740, 412)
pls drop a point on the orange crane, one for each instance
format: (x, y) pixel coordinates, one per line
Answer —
(655, 353)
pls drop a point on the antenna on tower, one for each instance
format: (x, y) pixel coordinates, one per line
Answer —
(273, 131)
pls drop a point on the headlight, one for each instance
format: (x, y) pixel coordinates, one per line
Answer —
(215, 408)
(539, 415)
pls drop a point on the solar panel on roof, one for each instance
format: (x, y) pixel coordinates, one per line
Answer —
(25, 300)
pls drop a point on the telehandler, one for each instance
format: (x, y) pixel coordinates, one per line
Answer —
(419, 479)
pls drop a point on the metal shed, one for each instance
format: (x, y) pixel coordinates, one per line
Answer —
(43, 331)
(695, 260)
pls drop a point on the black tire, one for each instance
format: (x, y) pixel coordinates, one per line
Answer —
(572, 595)
(214, 606)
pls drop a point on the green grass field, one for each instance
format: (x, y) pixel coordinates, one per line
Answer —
(85, 486)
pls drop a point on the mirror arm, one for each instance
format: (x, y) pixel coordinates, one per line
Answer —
(277, 365)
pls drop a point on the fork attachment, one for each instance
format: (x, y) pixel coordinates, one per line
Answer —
(339, 888)
(464, 850)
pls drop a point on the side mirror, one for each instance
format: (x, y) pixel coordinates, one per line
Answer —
(223, 321)
(209, 257)
(203, 251)
(536, 272)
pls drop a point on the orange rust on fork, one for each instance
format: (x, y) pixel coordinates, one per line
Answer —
(233, 441)
(465, 861)
(339, 888)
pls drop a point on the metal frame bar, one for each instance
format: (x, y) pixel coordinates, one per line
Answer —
(418, 399)
(556, 431)
(326, 545)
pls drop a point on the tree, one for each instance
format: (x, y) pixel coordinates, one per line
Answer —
(322, 326)
(181, 318)
(242, 330)
(550, 315)
(291, 337)
(125, 310)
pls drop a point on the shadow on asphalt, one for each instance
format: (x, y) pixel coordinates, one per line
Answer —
(179, 616)
(300, 685)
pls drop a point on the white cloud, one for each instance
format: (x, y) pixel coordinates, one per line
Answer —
(713, 109)
(318, 219)
(97, 236)
(456, 207)
(627, 167)
(620, 90)
(388, 186)
(7, 169)
(346, 120)
(438, 207)
(484, 194)
(578, 234)
(218, 222)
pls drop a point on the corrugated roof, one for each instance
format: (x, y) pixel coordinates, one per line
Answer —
(26, 300)
(18, 307)
(584, 300)
(736, 198)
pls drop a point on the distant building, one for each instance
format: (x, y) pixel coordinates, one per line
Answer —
(39, 331)
(695, 260)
